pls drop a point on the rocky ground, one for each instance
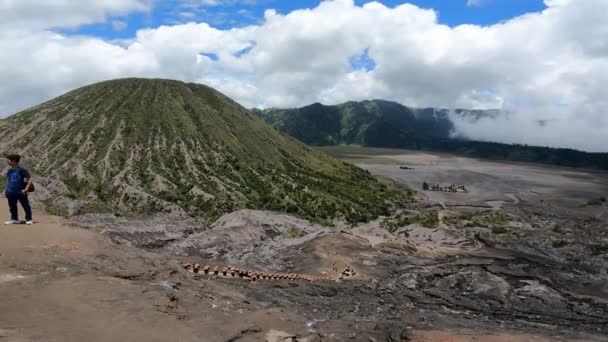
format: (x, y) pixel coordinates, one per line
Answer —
(514, 265)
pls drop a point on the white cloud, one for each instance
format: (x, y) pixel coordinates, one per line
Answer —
(474, 3)
(550, 66)
(202, 3)
(119, 25)
(29, 15)
(211, 2)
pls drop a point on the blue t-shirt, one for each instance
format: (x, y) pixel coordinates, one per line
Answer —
(16, 180)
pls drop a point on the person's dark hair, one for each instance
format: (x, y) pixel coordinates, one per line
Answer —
(14, 157)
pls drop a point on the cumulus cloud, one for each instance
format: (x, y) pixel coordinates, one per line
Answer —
(30, 15)
(544, 69)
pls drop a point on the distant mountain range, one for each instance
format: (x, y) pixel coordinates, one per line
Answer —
(139, 146)
(379, 123)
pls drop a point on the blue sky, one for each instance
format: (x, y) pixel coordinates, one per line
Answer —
(238, 13)
(542, 67)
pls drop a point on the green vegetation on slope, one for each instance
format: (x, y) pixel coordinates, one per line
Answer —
(367, 123)
(388, 124)
(147, 145)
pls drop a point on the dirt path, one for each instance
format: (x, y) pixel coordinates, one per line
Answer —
(53, 287)
(62, 283)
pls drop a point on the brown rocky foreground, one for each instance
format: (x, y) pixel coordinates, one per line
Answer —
(61, 282)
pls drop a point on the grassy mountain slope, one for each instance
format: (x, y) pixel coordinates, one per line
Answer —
(380, 123)
(149, 145)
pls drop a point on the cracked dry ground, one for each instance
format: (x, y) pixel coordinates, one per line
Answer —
(62, 282)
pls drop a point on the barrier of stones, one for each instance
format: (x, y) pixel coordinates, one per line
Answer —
(237, 272)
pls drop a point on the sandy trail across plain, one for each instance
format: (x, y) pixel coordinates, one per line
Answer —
(488, 182)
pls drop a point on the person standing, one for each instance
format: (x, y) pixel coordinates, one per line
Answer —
(18, 185)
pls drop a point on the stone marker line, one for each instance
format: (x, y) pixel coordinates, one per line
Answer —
(236, 272)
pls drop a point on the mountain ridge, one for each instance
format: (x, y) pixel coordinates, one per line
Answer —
(381, 123)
